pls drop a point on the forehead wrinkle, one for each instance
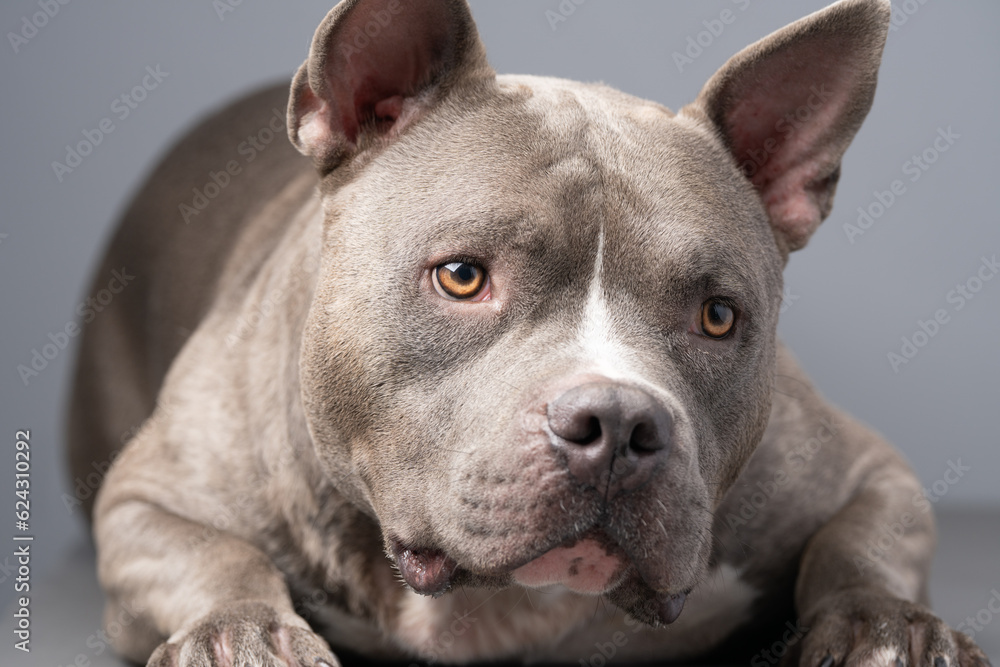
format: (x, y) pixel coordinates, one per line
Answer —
(566, 163)
(673, 205)
(535, 167)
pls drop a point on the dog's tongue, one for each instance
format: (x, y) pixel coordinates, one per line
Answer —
(584, 567)
(426, 571)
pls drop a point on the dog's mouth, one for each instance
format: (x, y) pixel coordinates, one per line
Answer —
(591, 564)
(588, 564)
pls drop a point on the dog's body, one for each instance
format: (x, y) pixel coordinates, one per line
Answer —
(313, 402)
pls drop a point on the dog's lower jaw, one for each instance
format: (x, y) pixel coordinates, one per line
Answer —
(588, 568)
(513, 622)
(589, 565)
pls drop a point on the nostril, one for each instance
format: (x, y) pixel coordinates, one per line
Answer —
(645, 438)
(578, 427)
(611, 437)
(593, 432)
(652, 432)
(619, 418)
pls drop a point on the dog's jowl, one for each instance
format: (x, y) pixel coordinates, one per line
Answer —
(481, 367)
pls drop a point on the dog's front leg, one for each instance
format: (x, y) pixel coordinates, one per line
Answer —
(861, 589)
(218, 600)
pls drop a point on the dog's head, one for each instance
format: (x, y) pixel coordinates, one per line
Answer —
(541, 347)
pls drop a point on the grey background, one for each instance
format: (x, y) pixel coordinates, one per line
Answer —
(848, 304)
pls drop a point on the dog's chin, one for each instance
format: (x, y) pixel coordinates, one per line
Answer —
(594, 564)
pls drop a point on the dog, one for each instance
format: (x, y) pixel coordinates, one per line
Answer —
(493, 375)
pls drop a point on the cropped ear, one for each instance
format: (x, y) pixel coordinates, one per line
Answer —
(788, 106)
(374, 66)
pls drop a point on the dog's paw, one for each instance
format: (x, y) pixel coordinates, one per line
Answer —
(861, 629)
(245, 634)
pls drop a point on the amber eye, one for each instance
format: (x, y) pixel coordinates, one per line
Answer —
(717, 318)
(459, 280)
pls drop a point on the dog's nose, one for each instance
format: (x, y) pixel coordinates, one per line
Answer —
(614, 436)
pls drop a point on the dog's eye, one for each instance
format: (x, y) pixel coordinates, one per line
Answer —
(459, 280)
(717, 318)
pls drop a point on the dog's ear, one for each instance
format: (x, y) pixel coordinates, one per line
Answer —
(788, 106)
(374, 67)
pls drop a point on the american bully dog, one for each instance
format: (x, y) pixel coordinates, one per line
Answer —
(494, 374)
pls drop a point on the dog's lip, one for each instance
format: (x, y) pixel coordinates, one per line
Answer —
(426, 571)
(431, 571)
(506, 567)
(590, 564)
(669, 606)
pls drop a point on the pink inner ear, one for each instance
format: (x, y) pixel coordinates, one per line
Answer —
(384, 52)
(391, 108)
(784, 129)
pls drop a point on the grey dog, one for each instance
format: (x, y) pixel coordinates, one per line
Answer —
(494, 375)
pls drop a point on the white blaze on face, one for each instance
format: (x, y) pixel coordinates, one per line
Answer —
(600, 352)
